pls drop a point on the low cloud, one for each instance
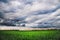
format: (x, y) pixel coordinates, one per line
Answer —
(36, 13)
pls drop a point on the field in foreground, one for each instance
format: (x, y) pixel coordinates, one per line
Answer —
(30, 35)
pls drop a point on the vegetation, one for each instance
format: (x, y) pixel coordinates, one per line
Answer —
(30, 35)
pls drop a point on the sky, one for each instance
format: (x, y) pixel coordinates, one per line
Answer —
(36, 13)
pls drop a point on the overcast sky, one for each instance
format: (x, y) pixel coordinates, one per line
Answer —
(34, 12)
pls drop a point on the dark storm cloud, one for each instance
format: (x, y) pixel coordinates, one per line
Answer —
(33, 12)
(5, 1)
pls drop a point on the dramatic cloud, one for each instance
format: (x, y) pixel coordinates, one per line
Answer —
(36, 13)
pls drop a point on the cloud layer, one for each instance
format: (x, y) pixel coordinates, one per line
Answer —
(36, 13)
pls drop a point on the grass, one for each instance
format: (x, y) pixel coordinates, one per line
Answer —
(30, 35)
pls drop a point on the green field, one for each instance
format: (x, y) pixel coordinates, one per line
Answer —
(30, 35)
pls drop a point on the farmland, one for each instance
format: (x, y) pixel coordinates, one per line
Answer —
(29, 34)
